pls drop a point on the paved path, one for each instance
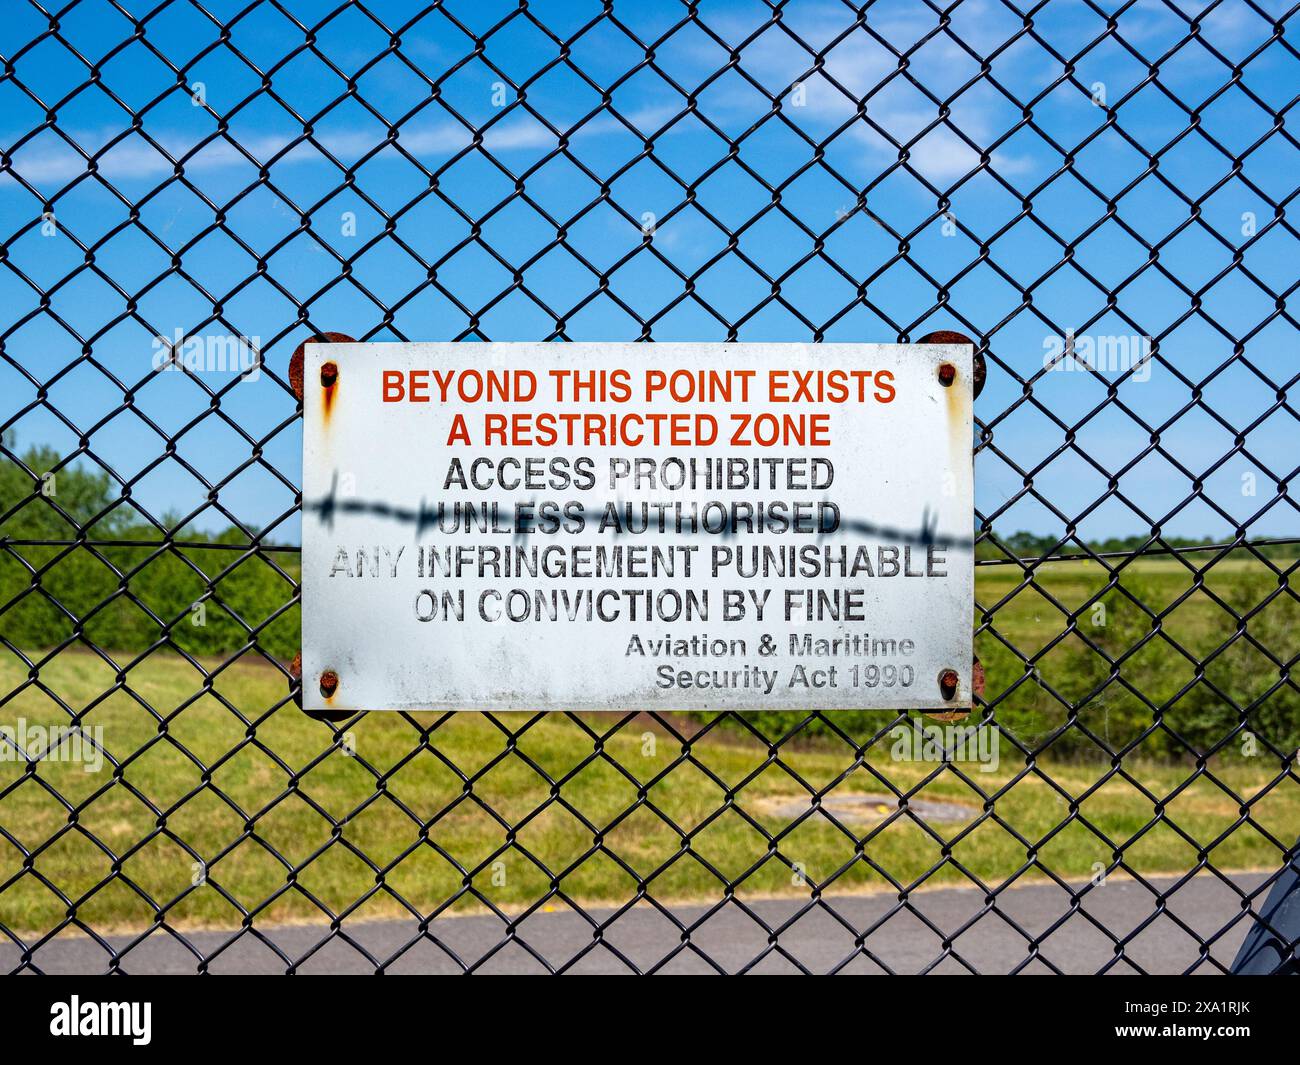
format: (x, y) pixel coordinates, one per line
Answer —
(732, 938)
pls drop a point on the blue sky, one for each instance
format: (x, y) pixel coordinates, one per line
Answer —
(431, 204)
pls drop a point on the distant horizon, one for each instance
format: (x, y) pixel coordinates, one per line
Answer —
(206, 535)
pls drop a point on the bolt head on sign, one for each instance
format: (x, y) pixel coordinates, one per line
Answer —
(637, 526)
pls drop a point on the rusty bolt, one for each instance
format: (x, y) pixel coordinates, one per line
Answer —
(948, 681)
(947, 374)
(329, 373)
(978, 369)
(296, 361)
(329, 683)
(295, 688)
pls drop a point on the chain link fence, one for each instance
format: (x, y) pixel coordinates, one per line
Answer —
(1096, 194)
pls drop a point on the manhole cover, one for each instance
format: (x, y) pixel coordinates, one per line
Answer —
(864, 807)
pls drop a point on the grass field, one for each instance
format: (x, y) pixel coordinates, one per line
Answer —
(1165, 621)
(281, 813)
(1199, 622)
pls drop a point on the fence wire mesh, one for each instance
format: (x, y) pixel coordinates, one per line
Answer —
(1096, 194)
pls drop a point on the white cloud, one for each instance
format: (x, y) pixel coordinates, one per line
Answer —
(47, 160)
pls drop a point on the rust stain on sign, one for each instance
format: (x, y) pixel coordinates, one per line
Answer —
(329, 382)
(957, 402)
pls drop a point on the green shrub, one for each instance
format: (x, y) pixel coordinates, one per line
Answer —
(127, 598)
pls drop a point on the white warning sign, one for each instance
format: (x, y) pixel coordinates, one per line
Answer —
(637, 526)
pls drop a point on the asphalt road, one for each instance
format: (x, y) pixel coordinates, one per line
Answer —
(1162, 941)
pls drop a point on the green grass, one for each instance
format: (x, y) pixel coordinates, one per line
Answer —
(287, 785)
(1199, 621)
(1030, 618)
(1187, 619)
